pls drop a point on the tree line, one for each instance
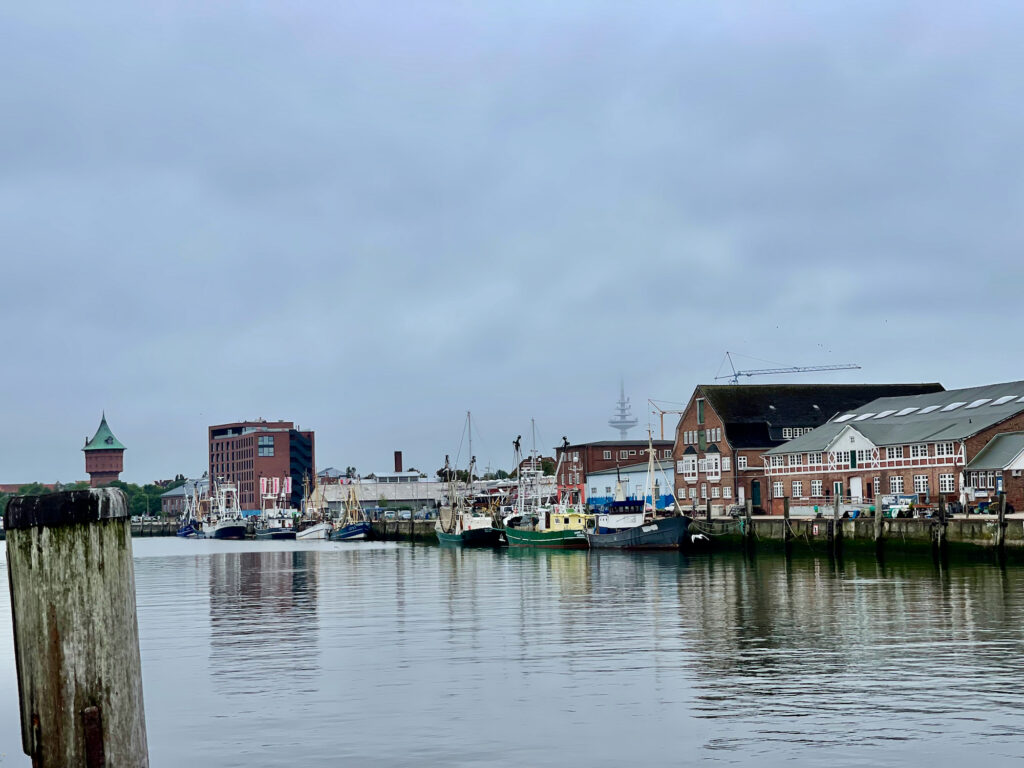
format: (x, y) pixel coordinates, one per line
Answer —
(142, 499)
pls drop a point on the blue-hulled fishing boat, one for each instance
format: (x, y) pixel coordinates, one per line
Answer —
(353, 525)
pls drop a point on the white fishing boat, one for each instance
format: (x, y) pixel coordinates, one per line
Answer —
(227, 521)
(314, 523)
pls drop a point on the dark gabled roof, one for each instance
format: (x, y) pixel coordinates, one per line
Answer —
(755, 414)
(616, 443)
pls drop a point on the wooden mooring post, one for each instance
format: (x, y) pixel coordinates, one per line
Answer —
(76, 638)
(787, 532)
(1001, 527)
(748, 524)
(837, 527)
(879, 526)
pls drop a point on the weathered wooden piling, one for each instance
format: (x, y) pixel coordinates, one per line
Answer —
(837, 527)
(76, 639)
(708, 513)
(787, 531)
(879, 525)
(1001, 527)
(748, 524)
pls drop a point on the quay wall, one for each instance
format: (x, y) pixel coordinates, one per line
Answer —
(978, 533)
(399, 530)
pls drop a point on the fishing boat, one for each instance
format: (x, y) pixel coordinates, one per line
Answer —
(276, 521)
(461, 522)
(534, 523)
(314, 523)
(353, 525)
(227, 519)
(190, 527)
(631, 524)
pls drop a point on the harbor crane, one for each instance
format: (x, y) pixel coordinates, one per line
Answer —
(734, 377)
(662, 411)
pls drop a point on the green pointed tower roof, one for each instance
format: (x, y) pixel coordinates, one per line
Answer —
(104, 439)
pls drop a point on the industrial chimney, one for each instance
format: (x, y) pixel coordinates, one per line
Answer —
(398, 461)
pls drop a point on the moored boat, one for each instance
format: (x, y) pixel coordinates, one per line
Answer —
(459, 522)
(353, 524)
(276, 522)
(629, 524)
(314, 524)
(228, 521)
(536, 524)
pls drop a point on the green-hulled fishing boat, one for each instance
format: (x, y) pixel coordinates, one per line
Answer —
(535, 523)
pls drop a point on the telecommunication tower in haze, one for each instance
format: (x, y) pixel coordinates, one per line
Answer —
(623, 420)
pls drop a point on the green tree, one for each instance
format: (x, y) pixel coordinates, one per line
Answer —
(547, 466)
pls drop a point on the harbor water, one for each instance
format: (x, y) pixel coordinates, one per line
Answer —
(378, 654)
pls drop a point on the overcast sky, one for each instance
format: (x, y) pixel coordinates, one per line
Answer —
(371, 217)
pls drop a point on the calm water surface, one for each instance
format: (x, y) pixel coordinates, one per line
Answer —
(283, 654)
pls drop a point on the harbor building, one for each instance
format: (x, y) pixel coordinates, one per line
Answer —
(582, 459)
(726, 429)
(961, 445)
(633, 478)
(243, 452)
(173, 502)
(104, 456)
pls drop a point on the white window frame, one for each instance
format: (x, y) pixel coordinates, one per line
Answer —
(921, 484)
(817, 489)
(919, 451)
(896, 484)
(947, 483)
(703, 490)
(798, 489)
(607, 455)
(726, 464)
(716, 492)
(741, 462)
(777, 490)
(726, 492)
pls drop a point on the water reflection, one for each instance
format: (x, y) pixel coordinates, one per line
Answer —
(263, 615)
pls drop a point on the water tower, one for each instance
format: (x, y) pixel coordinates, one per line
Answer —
(622, 419)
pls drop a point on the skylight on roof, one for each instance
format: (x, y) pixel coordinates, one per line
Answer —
(847, 417)
(952, 407)
(864, 416)
(1003, 399)
(979, 402)
(929, 408)
(883, 414)
(905, 411)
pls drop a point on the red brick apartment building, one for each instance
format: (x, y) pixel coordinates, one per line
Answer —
(582, 458)
(726, 429)
(245, 451)
(960, 445)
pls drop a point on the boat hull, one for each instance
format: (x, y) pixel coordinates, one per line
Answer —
(229, 531)
(546, 539)
(664, 533)
(321, 531)
(275, 534)
(475, 537)
(189, 532)
(353, 532)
